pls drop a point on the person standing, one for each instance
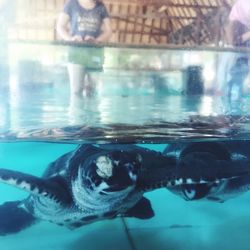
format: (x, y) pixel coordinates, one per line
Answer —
(84, 21)
(238, 31)
(7, 18)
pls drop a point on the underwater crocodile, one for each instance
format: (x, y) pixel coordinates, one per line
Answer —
(96, 182)
(201, 158)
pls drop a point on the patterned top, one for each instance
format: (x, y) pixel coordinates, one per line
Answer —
(83, 21)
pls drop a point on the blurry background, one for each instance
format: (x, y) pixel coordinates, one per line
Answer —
(167, 48)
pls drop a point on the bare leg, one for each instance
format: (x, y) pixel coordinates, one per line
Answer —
(89, 85)
(77, 78)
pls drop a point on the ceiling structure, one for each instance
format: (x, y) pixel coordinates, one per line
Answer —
(168, 21)
(153, 22)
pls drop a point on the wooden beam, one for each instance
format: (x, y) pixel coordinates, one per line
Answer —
(200, 17)
(126, 24)
(151, 31)
(152, 16)
(142, 29)
(139, 33)
(160, 2)
(118, 23)
(135, 24)
(138, 23)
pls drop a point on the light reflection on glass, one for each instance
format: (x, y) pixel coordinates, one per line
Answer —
(206, 107)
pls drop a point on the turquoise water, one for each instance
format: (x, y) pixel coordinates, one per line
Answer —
(49, 113)
(39, 126)
(177, 224)
(41, 121)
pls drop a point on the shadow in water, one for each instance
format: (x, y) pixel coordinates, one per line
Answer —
(99, 236)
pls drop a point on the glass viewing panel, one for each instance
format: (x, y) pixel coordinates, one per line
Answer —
(134, 86)
(176, 89)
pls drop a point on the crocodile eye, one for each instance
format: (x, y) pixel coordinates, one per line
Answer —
(104, 167)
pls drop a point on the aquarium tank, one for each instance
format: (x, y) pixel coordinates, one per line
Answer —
(124, 125)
